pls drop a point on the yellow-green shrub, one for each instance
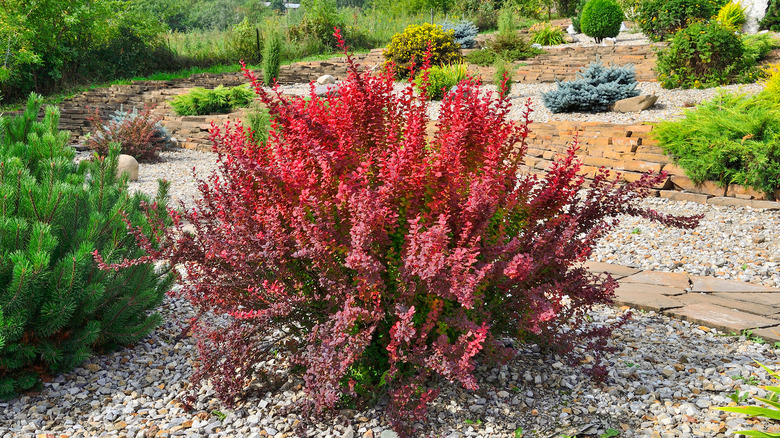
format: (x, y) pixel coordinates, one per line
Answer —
(407, 50)
(772, 79)
(442, 79)
(732, 15)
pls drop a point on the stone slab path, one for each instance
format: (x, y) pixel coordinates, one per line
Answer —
(712, 302)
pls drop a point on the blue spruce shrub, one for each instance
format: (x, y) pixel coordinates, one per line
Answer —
(595, 90)
(464, 31)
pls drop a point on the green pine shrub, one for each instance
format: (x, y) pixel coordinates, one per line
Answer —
(661, 19)
(594, 90)
(220, 100)
(464, 32)
(272, 57)
(709, 54)
(732, 15)
(771, 20)
(407, 50)
(441, 79)
(731, 139)
(546, 34)
(58, 306)
(601, 19)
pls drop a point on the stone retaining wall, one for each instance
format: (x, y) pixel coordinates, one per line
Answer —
(628, 149)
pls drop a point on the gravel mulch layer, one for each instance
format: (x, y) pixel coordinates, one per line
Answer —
(665, 376)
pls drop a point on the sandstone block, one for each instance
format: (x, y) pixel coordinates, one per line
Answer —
(634, 104)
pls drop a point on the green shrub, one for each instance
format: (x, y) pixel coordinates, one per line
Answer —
(503, 70)
(731, 139)
(575, 21)
(757, 47)
(59, 308)
(257, 120)
(272, 57)
(660, 19)
(506, 22)
(220, 100)
(484, 57)
(546, 34)
(771, 20)
(441, 79)
(732, 15)
(511, 47)
(244, 43)
(704, 55)
(595, 89)
(601, 19)
(407, 50)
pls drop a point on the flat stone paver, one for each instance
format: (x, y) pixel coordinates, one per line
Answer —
(617, 271)
(728, 302)
(711, 284)
(639, 295)
(721, 318)
(727, 305)
(677, 280)
(771, 334)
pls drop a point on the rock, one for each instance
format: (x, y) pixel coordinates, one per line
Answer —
(388, 434)
(127, 164)
(350, 433)
(326, 80)
(536, 46)
(634, 104)
(325, 90)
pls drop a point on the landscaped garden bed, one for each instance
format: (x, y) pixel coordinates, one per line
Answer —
(330, 262)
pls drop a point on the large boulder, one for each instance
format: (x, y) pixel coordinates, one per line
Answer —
(634, 104)
(326, 80)
(129, 165)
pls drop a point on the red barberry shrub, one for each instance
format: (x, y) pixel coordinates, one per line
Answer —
(373, 256)
(138, 133)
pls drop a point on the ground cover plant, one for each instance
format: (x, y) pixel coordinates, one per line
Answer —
(707, 54)
(372, 256)
(594, 90)
(138, 133)
(58, 307)
(731, 139)
(201, 101)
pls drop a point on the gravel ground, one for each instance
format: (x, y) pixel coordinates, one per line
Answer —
(665, 375)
